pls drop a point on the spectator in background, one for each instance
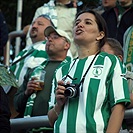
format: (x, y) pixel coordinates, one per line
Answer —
(34, 54)
(92, 3)
(56, 47)
(4, 113)
(112, 46)
(75, 3)
(106, 5)
(119, 19)
(99, 104)
(3, 33)
(62, 14)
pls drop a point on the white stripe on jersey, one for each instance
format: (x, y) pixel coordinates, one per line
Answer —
(117, 77)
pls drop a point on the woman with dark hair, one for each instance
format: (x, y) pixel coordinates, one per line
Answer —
(87, 96)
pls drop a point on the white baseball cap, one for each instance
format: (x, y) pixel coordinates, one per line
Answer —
(61, 33)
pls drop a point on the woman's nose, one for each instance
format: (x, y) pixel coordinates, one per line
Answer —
(80, 24)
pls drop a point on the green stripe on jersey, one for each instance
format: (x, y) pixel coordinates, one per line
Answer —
(90, 105)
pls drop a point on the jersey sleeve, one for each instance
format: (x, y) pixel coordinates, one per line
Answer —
(118, 88)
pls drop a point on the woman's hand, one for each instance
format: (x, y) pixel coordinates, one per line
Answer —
(60, 101)
(60, 98)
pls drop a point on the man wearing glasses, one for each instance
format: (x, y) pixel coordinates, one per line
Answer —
(27, 100)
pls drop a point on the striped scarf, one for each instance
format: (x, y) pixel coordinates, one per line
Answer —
(32, 60)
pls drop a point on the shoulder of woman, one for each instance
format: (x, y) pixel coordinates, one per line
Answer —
(111, 57)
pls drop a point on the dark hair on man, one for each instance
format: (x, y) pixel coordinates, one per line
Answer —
(115, 46)
(100, 23)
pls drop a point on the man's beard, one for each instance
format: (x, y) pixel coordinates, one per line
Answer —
(33, 33)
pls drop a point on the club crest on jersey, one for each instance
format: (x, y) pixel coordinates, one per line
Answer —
(97, 71)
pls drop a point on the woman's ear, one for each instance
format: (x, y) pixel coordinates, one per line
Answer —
(100, 36)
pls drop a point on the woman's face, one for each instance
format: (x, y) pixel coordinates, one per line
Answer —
(86, 29)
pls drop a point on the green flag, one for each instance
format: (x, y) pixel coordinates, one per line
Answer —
(7, 78)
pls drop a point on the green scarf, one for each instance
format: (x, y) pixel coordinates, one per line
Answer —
(128, 48)
(29, 105)
(29, 108)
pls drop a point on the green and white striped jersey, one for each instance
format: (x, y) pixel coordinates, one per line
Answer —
(104, 86)
(34, 59)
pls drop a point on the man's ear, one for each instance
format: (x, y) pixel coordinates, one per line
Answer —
(100, 36)
(120, 57)
(67, 45)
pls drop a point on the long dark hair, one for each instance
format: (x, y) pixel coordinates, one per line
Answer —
(100, 22)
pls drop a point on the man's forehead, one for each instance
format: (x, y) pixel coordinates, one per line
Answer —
(42, 19)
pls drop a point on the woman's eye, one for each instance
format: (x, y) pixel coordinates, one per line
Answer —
(76, 23)
(88, 22)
